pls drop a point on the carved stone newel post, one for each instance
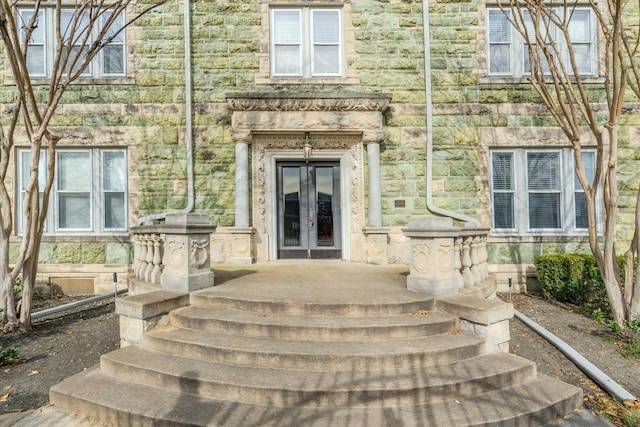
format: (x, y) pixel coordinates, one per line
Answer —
(187, 253)
(432, 247)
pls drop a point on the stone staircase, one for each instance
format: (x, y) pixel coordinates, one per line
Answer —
(245, 359)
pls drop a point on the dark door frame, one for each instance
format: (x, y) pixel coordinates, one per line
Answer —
(305, 214)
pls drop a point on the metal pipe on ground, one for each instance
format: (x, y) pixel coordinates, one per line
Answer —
(603, 380)
(74, 304)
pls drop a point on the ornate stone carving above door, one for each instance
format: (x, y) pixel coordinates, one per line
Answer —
(275, 125)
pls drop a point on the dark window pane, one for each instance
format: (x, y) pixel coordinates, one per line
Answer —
(291, 190)
(324, 197)
(544, 210)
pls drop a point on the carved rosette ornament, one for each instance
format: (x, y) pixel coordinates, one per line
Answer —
(420, 258)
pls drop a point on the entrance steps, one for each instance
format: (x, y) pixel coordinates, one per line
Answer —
(276, 359)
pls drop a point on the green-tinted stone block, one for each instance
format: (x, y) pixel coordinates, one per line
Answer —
(118, 253)
(48, 253)
(93, 253)
(69, 253)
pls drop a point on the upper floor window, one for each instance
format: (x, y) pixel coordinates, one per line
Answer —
(538, 191)
(110, 61)
(89, 194)
(508, 54)
(306, 42)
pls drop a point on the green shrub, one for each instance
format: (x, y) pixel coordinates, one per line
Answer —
(574, 279)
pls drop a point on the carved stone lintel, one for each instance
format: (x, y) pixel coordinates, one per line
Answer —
(308, 102)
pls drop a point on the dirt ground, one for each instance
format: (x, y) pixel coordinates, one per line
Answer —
(64, 344)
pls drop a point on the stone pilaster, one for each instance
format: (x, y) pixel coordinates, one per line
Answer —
(242, 245)
(372, 140)
(377, 248)
(242, 140)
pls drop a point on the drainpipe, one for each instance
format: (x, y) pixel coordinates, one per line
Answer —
(188, 137)
(429, 115)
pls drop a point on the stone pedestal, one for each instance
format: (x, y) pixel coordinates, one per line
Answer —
(143, 312)
(432, 249)
(377, 245)
(242, 245)
(187, 265)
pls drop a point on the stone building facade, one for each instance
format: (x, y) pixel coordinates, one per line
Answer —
(347, 77)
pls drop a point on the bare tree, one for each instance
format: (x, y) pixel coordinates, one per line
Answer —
(80, 33)
(557, 75)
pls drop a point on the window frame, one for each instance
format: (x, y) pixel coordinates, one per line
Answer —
(520, 176)
(96, 67)
(97, 203)
(307, 43)
(518, 51)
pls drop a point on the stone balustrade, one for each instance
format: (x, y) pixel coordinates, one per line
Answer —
(445, 258)
(175, 254)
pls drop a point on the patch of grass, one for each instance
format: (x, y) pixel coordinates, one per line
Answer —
(8, 355)
(631, 418)
(631, 350)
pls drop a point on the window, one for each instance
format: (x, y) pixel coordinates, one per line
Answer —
(306, 42)
(537, 191)
(89, 193)
(110, 62)
(507, 51)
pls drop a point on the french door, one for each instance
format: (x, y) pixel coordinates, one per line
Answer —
(309, 210)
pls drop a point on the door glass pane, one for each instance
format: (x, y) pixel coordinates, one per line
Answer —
(291, 191)
(324, 198)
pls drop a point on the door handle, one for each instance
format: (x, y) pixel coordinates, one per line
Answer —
(311, 217)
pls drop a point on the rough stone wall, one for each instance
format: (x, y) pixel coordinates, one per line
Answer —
(145, 112)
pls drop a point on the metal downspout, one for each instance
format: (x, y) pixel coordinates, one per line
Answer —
(188, 137)
(429, 116)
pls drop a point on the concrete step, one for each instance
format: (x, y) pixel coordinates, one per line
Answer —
(112, 400)
(313, 328)
(287, 387)
(337, 355)
(264, 302)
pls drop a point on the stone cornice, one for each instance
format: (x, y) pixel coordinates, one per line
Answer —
(308, 101)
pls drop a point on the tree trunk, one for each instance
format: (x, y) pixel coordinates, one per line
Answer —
(29, 272)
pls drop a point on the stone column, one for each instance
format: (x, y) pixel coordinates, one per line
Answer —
(372, 140)
(432, 248)
(242, 140)
(242, 247)
(376, 235)
(187, 257)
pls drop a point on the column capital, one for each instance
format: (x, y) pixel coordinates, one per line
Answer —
(372, 137)
(244, 136)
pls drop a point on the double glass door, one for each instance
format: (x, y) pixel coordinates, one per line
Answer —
(309, 210)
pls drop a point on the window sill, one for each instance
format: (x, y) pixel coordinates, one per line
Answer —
(307, 80)
(82, 238)
(41, 81)
(539, 238)
(487, 80)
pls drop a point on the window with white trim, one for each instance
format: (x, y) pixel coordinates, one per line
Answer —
(306, 42)
(89, 193)
(110, 61)
(538, 192)
(507, 53)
